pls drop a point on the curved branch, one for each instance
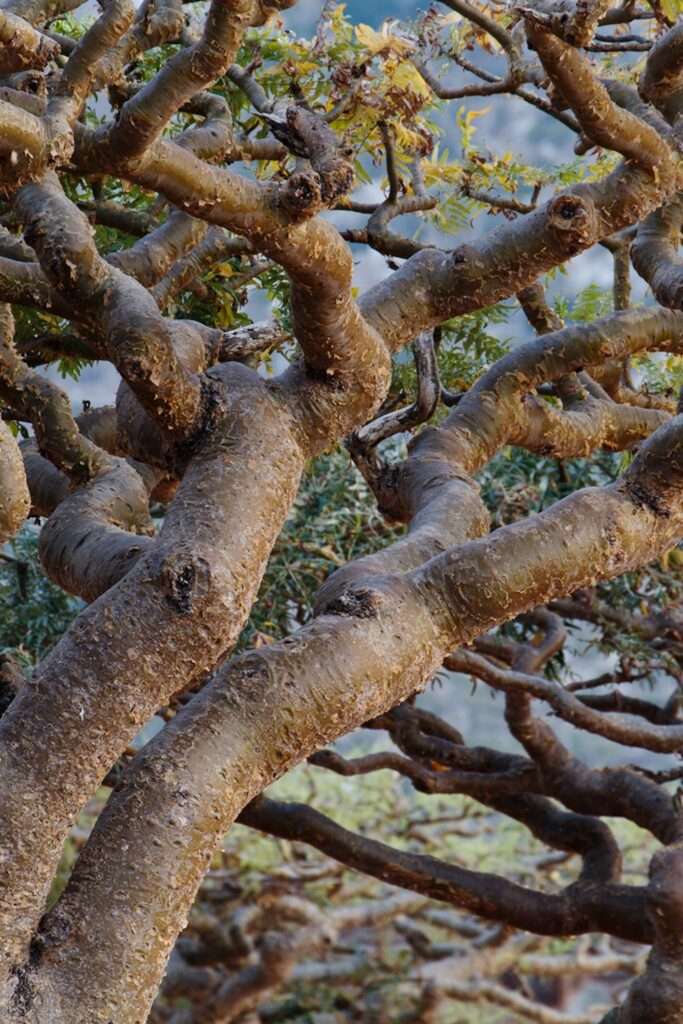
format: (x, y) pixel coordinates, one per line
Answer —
(22, 46)
(381, 641)
(507, 999)
(573, 911)
(663, 739)
(431, 287)
(344, 355)
(497, 411)
(143, 117)
(137, 339)
(662, 80)
(14, 495)
(612, 792)
(184, 601)
(157, 253)
(71, 91)
(95, 536)
(654, 253)
(601, 120)
(36, 400)
(216, 245)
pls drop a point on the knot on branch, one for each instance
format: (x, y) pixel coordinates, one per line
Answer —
(572, 22)
(165, 22)
(356, 602)
(573, 219)
(307, 135)
(31, 81)
(12, 679)
(185, 580)
(465, 258)
(302, 195)
(645, 497)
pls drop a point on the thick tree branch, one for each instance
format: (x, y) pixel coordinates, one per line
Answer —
(381, 641)
(655, 253)
(135, 336)
(14, 496)
(143, 117)
(662, 80)
(496, 411)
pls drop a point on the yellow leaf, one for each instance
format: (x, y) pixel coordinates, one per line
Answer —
(672, 9)
(407, 77)
(338, 15)
(305, 67)
(439, 170)
(381, 42)
(406, 139)
(472, 115)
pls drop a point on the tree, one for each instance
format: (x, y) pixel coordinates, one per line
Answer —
(129, 237)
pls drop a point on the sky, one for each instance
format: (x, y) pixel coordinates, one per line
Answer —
(303, 17)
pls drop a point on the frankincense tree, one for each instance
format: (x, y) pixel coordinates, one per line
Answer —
(129, 235)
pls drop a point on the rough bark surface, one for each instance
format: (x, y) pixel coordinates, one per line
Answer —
(199, 429)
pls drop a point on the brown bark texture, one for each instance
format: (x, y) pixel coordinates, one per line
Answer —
(111, 227)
